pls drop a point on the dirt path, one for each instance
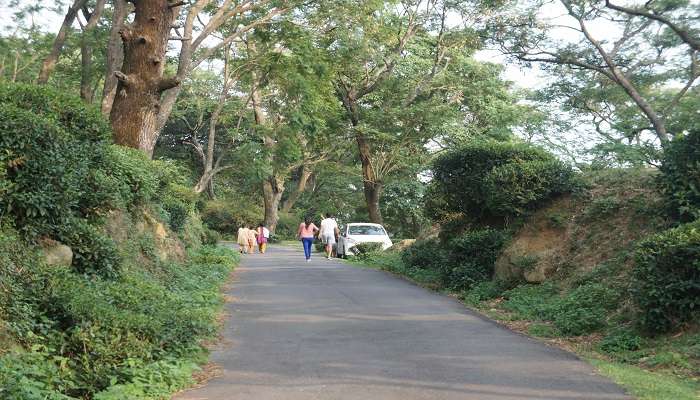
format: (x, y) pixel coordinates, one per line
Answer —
(325, 330)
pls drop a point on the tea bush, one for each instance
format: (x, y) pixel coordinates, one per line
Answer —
(620, 340)
(584, 309)
(531, 301)
(680, 176)
(471, 258)
(425, 254)
(369, 248)
(226, 216)
(487, 180)
(90, 334)
(111, 320)
(666, 278)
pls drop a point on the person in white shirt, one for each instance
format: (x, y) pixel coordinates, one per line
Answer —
(329, 233)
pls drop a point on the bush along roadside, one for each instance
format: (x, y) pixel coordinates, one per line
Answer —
(106, 289)
(136, 336)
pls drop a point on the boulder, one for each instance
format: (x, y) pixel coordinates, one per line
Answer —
(56, 253)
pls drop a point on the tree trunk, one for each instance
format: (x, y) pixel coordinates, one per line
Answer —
(372, 185)
(50, 61)
(273, 188)
(134, 113)
(298, 190)
(86, 92)
(115, 56)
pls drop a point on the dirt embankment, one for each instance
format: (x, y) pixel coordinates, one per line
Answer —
(579, 232)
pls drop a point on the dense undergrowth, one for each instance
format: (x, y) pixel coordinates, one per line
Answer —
(600, 265)
(125, 317)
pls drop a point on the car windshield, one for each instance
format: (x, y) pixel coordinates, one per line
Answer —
(365, 230)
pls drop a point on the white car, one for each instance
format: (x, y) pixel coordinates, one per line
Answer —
(356, 233)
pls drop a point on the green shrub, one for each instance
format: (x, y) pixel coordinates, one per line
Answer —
(133, 175)
(543, 330)
(531, 302)
(85, 123)
(226, 216)
(471, 258)
(482, 291)
(287, 226)
(680, 176)
(369, 248)
(487, 180)
(211, 237)
(34, 376)
(620, 340)
(583, 310)
(93, 250)
(516, 187)
(666, 278)
(46, 171)
(424, 254)
(88, 334)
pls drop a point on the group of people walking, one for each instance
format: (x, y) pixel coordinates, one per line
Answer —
(248, 238)
(328, 233)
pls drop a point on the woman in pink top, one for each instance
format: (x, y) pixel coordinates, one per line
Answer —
(306, 232)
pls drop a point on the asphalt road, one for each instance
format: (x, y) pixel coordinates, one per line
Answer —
(326, 330)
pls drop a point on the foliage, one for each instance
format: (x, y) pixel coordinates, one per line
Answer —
(666, 278)
(584, 309)
(48, 178)
(460, 262)
(471, 258)
(366, 250)
(425, 254)
(401, 207)
(580, 311)
(136, 331)
(93, 251)
(620, 340)
(226, 216)
(624, 111)
(680, 176)
(531, 301)
(486, 180)
(287, 226)
(482, 291)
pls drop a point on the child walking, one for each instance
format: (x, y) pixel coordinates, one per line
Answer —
(263, 235)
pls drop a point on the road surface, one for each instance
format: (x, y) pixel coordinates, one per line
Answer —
(327, 330)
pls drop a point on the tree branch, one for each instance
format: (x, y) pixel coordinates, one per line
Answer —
(684, 34)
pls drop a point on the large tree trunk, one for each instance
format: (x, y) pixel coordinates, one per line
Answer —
(134, 113)
(50, 61)
(273, 188)
(115, 56)
(298, 190)
(373, 191)
(370, 180)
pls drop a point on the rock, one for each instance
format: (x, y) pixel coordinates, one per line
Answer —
(56, 253)
(403, 244)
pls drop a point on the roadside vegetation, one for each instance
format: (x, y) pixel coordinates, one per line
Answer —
(599, 264)
(108, 281)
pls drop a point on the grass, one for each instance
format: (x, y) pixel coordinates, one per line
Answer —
(646, 385)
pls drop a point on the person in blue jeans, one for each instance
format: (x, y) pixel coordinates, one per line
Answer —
(306, 233)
